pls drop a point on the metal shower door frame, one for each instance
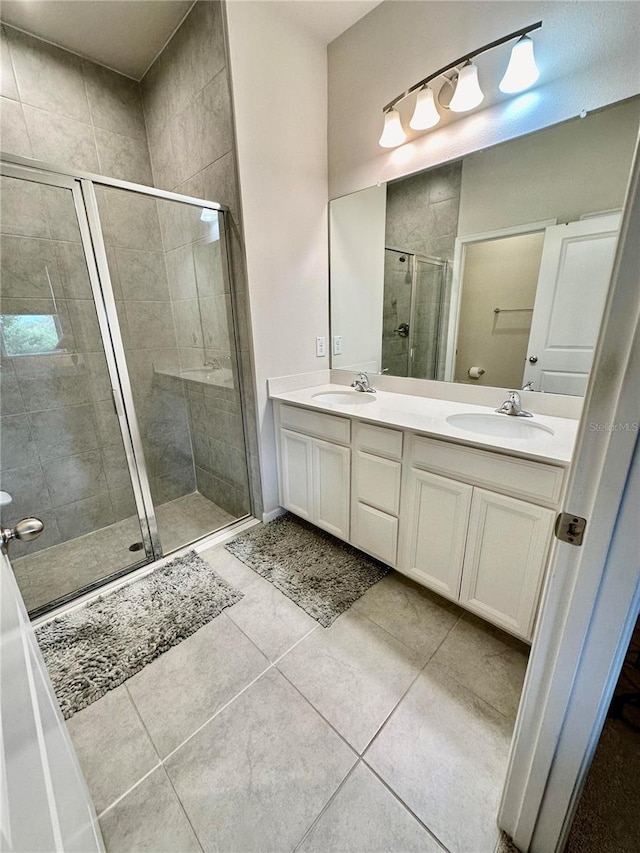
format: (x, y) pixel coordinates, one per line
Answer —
(435, 262)
(110, 335)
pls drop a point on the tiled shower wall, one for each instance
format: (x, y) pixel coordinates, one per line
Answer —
(63, 109)
(62, 455)
(422, 217)
(188, 114)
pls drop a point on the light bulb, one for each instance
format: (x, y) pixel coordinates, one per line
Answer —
(425, 114)
(393, 134)
(522, 70)
(468, 93)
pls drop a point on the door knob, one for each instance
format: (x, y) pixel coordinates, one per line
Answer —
(403, 330)
(533, 359)
(25, 530)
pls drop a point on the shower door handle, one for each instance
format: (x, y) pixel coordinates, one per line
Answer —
(25, 530)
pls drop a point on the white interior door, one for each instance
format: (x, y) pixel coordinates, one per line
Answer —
(575, 270)
(44, 801)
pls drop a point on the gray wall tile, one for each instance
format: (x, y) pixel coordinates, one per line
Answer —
(123, 157)
(150, 324)
(76, 519)
(64, 432)
(22, 209)
(29, 269)
(13, 128)
(29, 492)
(114, 101)
(75, 478)
(8, 88)
(61, 140)
(17, 447)
(47, 76)
(134, 221)
(142, 275)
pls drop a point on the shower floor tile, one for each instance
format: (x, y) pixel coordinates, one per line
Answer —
(62, 569)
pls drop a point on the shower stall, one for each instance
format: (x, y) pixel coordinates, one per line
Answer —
(122, 425)
(414, 288)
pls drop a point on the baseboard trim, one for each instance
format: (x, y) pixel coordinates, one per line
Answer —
(272, 514)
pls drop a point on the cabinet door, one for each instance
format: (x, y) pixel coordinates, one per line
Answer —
(438, 513)
(331, 477)
(295, 473)
(507, 548)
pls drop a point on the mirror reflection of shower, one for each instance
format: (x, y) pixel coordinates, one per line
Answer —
(412, 320)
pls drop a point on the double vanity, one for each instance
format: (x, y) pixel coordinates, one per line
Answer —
(454, 495)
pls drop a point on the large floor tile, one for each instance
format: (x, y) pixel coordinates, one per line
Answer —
(354, 673)
(487, 661)
(256, 776)
(365, 817)
(184, 687)
(413, 614)
(270, 619)
(113, 748)
(229, 567)
(444, 752)
(151, 819)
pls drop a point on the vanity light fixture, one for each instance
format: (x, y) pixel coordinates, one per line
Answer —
(392, 133)
(521, 73)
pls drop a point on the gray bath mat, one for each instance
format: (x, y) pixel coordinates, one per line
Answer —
(323, 575)
(97, 647)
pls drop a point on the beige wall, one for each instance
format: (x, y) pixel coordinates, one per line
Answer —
(279, 79)
(497, 274)
(587, 52)
(560, 173)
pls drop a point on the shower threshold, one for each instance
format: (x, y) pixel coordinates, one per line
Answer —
(57, 575)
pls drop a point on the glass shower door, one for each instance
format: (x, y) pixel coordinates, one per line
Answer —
(63, 457)
(167, 264)
(427, 309)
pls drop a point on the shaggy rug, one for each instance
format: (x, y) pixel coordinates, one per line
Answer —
(322, 574)
(96, 648)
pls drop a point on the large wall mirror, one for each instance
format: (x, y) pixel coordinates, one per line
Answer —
(492, 270)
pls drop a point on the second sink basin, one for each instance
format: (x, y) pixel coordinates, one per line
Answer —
(500, 426)
(344, 398)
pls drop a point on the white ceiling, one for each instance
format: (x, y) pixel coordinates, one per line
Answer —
(127, 35)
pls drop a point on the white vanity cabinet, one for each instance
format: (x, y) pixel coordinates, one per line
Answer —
(473, 524)
(484, 549)
(315, 473)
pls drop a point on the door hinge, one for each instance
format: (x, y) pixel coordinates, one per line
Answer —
(570, 528)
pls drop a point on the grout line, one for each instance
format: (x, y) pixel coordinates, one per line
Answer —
(326, 805)
(129, 790)
(184, 811)
(219, 711)
(142, 722)
(402, 802)
(418, 674)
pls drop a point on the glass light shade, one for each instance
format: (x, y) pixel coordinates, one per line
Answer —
(393, 134)
(522, 70)
(425, 114)
(468, 93)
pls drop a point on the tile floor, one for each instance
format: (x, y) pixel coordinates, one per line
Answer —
(56, 571)
(265, 732)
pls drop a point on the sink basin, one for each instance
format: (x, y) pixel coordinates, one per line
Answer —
(345, 398)
(500, 426)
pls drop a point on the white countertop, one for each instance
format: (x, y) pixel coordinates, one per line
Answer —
(428, 416)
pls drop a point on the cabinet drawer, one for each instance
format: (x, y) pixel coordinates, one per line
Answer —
(379, 441)
(316, 423)
(535, 481)
(377, 482)
(376, 533)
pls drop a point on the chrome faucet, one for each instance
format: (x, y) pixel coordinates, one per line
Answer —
(512, 406)
(361, 383)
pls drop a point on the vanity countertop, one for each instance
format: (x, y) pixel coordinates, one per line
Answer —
(427, 415)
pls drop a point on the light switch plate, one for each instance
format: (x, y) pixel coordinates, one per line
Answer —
(337, 344)
(321, 347)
